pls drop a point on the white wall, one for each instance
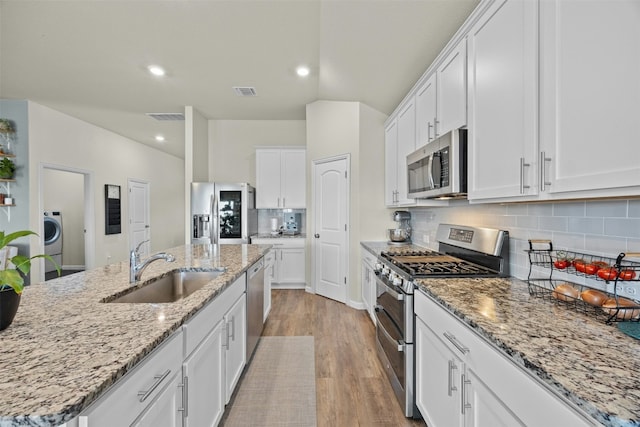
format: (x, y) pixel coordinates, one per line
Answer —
(58, 139)
(233, 143)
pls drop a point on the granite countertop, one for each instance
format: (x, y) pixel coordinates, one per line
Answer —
(278, 236)
(65, 347)
(590, 363)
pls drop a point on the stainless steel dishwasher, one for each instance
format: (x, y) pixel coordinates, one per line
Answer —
(255, 305)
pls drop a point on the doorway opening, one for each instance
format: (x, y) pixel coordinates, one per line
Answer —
(66, 210)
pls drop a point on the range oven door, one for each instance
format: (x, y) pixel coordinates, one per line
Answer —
(394, 341)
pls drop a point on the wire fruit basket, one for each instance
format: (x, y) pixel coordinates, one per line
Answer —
(589, 300)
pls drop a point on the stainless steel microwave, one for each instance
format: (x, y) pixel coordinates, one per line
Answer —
(439, 169)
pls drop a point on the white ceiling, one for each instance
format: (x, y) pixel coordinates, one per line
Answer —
(89, 58)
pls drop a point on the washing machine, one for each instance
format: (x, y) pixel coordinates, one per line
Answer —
(52, 239)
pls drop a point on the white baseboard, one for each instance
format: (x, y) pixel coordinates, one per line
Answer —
(288, 285)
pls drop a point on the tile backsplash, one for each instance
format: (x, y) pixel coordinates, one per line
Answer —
(265, 215)
(602, 227)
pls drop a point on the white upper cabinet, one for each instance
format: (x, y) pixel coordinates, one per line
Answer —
(503, 101)
(590, 92)
(281, 178)
(391, 163)
(426, 112)
(400, 140)
(441, 100)
(452, 90)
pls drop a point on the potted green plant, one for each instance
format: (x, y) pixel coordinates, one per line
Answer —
(7, 168)
(6, 126)
(12, 279)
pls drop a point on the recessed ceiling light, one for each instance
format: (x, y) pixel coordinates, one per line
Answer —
(159, 138)
(156, 70)
(302, 71)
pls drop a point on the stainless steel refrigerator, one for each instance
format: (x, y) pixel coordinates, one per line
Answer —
(223, 212)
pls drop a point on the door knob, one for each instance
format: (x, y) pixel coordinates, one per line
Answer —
(317, 236)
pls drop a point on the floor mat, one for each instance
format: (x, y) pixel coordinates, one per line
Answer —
(279, 387)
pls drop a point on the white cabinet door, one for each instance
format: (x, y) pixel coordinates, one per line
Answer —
(269, 261)
(589, 95)
(236, 344)
(268, 179)
(203, 376)
(484, 408)
(438, 376)
(391, 164)
(406, 145)
(502, 96)
(426, 111)
(294, 179)
(452, 91)
(291, 265)
(167, 409)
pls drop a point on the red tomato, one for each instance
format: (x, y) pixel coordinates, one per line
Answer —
(591, 268)
(627, 275)
(561, 264)
(608, 273)
(579, 265)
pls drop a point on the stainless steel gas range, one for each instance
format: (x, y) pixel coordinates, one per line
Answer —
(463, 252)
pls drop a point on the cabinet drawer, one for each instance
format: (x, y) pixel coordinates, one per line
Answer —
(519, 391)
(128, 398)
(202, 323)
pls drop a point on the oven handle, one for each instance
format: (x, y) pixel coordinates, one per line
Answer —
(379, 325)
(397, 295)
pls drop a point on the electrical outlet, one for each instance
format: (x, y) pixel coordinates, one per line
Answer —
(425, 238)
(630, 290)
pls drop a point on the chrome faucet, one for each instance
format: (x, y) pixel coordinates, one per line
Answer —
(136, 267)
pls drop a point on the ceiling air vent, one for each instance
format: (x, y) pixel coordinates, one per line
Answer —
(245, 91)
(166, 116)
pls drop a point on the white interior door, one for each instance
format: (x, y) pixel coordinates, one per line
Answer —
(330, 228)
(139, 217)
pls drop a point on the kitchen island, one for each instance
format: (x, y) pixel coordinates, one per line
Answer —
(66, 347)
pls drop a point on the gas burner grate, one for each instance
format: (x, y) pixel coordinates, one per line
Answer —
(424, 264)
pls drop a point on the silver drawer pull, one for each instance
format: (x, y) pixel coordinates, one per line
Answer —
(456, 343)
(185, 396)
(143, 395)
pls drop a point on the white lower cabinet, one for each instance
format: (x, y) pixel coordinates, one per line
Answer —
(269, 263)
(461, 380)
(236, 345)
(289, 271)
(203, 378)
(368, 283)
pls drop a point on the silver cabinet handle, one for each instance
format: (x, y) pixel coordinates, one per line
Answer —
(284, 202)
(233, 328)
(435, 126)
(543, 171)
(457, 344)
(185, 396)
(429, 126)
(465, 403)
(522, 166)
(451, 388)
(226, 333)
(144, 394)
(278, 201)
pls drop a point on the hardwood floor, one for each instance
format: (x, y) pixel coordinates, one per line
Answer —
(351, 387)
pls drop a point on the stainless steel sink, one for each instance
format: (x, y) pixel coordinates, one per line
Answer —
(170, 288)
